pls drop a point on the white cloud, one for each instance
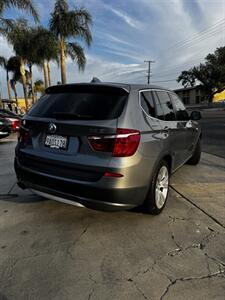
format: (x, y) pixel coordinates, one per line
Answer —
(126, 18)
(127, 33)
(104, 70)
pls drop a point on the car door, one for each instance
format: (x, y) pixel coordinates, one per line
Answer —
(151, 130)
(173, 130)
(182, 117)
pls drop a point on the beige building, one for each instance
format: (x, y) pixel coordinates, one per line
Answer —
(192, 95)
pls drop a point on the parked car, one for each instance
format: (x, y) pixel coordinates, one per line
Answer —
(106, 146)
(12, 117)
(5, 128)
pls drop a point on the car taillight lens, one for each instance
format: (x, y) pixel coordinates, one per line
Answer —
(16, 125)
(122, 144)
(103, 144)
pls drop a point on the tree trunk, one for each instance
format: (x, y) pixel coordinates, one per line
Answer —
(210, 98)
(62, 60)
(49, 74)
(8, 85)
(31, 83)
(45, 68)
(24, 82)
(15, 93)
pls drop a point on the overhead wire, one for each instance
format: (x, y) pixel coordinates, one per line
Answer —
(196, 35)
(209, 32)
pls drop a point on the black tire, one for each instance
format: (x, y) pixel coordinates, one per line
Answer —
(150, 204)
(195, 159)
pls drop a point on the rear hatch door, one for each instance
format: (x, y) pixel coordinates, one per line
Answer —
(62, 120)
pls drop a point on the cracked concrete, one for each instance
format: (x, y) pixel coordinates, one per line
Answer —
(189, 279)
(49, 250)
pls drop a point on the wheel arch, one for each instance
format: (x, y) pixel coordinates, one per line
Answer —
(168, 159)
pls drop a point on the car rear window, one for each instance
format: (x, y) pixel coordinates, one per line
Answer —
(103, 104)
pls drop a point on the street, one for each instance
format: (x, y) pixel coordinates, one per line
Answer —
(50, 250)
(213, 130)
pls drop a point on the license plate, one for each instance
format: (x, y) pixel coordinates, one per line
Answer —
(56, 142)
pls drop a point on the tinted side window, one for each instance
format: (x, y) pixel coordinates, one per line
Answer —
(147, 103)
(159, 111)
(167, 106)
(181, 112)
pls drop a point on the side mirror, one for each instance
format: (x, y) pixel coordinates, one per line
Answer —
(195, 115)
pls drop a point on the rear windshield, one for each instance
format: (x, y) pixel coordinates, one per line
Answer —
(91, 105)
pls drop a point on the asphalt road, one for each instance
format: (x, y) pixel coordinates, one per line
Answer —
(213, 129)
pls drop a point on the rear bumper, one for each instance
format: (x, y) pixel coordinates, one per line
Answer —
(90, 196)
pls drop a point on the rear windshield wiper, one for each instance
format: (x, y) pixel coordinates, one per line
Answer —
(71, 116)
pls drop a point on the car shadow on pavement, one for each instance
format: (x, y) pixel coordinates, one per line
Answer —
(7, 142)
(2, 297)
(30, 198)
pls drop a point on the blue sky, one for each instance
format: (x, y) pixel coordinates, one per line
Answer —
(177, 34)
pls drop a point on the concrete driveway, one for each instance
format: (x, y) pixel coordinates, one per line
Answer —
(50, 250)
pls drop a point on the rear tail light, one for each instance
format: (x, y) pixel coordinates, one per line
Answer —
(122, 144)
(15, 124)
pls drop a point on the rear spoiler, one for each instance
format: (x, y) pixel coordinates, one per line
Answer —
(88, 87)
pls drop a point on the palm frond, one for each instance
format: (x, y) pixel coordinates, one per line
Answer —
(26, 5)
(76, 52)
(84, 33)
(84, 15)
(73, 23)
(3, 62)
(5, 25)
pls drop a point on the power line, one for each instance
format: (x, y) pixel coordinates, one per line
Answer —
(176, 69)
(149, 69)
(211, 32)
(164, 80)
(173, 69)
(201, 38)
(195, 35)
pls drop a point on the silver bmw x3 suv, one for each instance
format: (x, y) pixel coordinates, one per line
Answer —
(105, 145)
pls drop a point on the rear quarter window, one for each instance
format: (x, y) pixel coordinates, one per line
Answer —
(180, 109)
(103, 104)
(166, 105)
(147, 103)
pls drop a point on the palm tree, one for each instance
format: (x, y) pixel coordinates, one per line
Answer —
(39, 87)
(13, 83)
(14, 67)
(4, 64)
(49, 73)
(26, 5)
(22, 38)
(66, 24)
(17, 35)
(44, 49)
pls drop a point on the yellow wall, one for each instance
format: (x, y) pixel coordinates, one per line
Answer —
(219, 96)
(21, 102)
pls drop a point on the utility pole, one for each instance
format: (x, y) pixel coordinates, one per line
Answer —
(149, 69)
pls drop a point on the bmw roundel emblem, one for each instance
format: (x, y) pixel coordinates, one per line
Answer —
(52, 128)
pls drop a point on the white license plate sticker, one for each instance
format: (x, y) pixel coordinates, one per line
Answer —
(56, 141)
